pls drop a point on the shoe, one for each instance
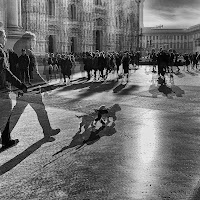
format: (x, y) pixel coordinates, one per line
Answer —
(54, 132)
(11, 143)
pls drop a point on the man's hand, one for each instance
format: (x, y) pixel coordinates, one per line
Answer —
(24, 88)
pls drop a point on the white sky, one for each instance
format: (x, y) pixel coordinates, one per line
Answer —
(172, 13)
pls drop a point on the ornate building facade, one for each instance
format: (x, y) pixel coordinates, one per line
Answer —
(72, 25)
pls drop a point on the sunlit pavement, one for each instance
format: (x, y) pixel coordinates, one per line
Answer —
(150, 151)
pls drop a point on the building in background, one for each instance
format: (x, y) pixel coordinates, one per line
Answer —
(71, 25)
(181, 40)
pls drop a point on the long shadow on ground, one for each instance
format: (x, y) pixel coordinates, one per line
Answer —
(90, 88)
(35, 101)
(192, 73)
(125, 89)
(90, 134)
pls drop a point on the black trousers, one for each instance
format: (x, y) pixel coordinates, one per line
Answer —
(24, 75)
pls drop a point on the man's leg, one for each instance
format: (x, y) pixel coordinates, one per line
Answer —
(6, 108)
(44, 119)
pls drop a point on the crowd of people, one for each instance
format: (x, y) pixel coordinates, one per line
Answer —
(23, 66)
(96, 64)
(166, 60)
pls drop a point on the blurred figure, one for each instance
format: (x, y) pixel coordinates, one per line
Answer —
(6, 103)
(125, 65)
(46, 67)
(24, 63)
(153, 58)
(32, 65)
(13, 61)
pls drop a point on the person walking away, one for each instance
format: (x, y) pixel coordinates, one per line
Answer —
(59, 61)
(101, 63)
(50, 63)
(176, 62)
(171, 60)
(195, 60)
(162, 60)
(55, 66)
(72, 57)
(24, 63)
(118, 63)
(13, 61)
(64, 67)
(68, 69)
(6, 103)
(125, 65)
(95, 65)
(153, 58)
(32, 65)
(187, 61)
(46, 66)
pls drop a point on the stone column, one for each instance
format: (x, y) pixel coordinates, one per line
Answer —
(12, 13)
(19, 13)
(14, 31)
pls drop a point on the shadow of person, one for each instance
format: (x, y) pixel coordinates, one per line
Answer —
(179, 74)
(118, 88)
(35, 101)
(191, 73)
(177, 90)
(90, 134)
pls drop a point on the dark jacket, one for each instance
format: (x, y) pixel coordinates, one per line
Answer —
(6, 74)
(32, 64)
(24, 62)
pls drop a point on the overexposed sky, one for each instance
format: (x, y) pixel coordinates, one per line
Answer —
(172, 13)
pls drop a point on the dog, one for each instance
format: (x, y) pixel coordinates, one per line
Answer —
(102, 114)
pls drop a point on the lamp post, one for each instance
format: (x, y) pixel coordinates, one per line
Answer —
(138, 24)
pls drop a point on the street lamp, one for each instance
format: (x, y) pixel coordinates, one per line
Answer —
(138, 24)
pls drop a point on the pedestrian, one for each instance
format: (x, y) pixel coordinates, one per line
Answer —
(68, 63)
(13, 61)
(162, 60)
(118, 62)
(176, 62)
(72, 57)
(33, 63)
(46, 67)
(24, 63)
(6, 103)
(59, 63)
(50, 63)
(195, 60)
(55, 66)
(125, 65)
(171, 60)
(187, 61)
(153, 58)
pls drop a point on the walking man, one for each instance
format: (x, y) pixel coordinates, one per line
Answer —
(5, 102)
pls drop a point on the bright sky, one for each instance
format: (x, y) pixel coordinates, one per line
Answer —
(172, 13)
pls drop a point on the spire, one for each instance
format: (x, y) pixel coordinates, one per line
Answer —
(141, 13)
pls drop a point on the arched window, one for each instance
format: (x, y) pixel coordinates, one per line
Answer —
(73, 12)
(51, 7)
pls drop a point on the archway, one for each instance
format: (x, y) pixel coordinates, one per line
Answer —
(98, 40)
(51, 44)
(73, 45)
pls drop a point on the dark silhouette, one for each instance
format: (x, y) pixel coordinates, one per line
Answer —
(91, 134)
(166, 89)
(35, 101)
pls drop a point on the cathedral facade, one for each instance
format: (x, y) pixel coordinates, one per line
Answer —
(72, 25)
